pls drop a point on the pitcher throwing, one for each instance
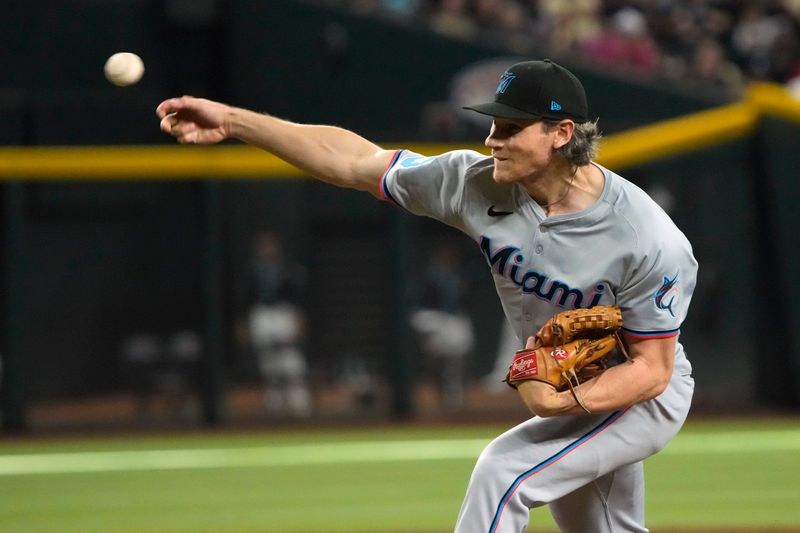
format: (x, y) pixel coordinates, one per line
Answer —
(558, 232)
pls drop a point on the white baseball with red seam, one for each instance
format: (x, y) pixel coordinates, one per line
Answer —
(124, 68)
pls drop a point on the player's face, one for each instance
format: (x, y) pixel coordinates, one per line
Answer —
(521, 148)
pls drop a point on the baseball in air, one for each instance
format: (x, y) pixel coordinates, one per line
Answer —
(124, 68)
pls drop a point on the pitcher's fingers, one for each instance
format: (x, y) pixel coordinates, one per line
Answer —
(188, 137)
(531, 343)
(178, 128)
(167, 107)
(186, 132)
(168, 122)
(173, 105)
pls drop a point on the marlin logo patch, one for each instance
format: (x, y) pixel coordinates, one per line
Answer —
(667, 294)
(505, 81)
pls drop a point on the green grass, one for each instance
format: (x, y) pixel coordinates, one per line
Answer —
(716, 475)
(739, 476)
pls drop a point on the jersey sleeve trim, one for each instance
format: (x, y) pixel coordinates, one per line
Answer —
(385, 194)
(652, 334)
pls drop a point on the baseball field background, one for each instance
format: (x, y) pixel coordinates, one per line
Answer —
(717, 475)
(108, 230)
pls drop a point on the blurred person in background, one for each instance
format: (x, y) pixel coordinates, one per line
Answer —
(625, 43)
(638, 38)
(566, 25)
(276, 326)
(784, 60)
(679, 27)
(443, 326)
(452, 18)
(766, 41)
(514, 26)
(508, 22)
(710, 65)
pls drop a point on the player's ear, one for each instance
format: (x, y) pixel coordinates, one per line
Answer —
(563, 130)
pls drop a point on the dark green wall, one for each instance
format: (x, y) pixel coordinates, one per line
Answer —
(777, 190)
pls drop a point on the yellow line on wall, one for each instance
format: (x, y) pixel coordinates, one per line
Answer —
(681, 135)
(46, 163)
(774, 100)
(140, 162)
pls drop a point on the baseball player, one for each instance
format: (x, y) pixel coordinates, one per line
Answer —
(557, 232)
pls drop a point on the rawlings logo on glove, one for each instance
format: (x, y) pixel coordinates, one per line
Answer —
(524, 367)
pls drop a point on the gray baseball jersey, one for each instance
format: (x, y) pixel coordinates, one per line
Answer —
(623, 250)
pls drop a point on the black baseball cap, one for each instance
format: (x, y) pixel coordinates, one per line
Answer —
(537, 89)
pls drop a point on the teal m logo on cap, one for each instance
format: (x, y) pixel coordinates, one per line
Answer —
(555, 106)
(505, 81)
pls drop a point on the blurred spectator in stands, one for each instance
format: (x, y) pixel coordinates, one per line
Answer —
(716, 22)
(507, 22)
(624, 43)
(710, 65)
(452, 18)
(784, 60)
(444, 328)
(676, 27)
(401, 8)
(669, 38)
(754, 36)
(514, 27)
(183, 351)
(163, 375)
(486, 13)
(564, 26)
(276, 326)
(140, 357)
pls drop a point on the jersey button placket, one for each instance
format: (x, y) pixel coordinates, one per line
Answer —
(528, 326)
(540, 238)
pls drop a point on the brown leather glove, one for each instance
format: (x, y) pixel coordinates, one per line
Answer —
(591, 323)
(559, 366)
(571, 348)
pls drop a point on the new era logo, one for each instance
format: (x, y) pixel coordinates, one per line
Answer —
(555, 106)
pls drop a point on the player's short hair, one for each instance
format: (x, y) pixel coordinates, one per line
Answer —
(582, 148)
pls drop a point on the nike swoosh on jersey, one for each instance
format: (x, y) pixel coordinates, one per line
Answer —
(493, 213)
